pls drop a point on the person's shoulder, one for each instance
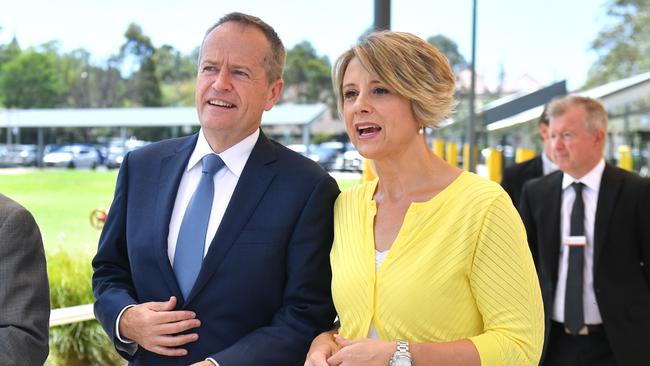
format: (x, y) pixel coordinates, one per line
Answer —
(163, 147)
(9, 205)
(295, 163)
(12, 210)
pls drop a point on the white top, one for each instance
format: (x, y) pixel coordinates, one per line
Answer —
(591, 181)
(225, 181)
(379, 259)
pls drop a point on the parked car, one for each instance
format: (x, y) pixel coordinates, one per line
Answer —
(18, 155)
(117, 152)
(325, 154)
(73, 156)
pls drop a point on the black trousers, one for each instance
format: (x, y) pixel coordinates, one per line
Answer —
(567, 350)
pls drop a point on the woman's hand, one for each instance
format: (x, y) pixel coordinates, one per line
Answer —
(366, 352)
(321, 348)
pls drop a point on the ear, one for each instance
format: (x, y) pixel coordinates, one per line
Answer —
(600, 136)
(274, 92)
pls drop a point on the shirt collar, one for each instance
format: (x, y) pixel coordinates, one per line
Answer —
(235, 157)
(591, 179)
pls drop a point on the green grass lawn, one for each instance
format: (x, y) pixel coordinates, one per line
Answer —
(62, 200)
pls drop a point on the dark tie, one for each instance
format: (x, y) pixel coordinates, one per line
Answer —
(191, 236)
(573, 311)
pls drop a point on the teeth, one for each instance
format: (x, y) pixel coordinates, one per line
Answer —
(220, 103)
(367, 129)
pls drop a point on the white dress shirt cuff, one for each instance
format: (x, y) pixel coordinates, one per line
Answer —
(213, 361)
(117, 326)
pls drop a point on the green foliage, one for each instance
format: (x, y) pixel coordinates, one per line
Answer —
(623, 48)
(307, 77)
(143, 86)
(31, 80)
(83, 343)
(449, 48)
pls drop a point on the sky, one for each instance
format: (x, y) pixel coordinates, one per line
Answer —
(548, 40)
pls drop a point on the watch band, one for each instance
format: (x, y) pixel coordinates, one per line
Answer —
(402, 346)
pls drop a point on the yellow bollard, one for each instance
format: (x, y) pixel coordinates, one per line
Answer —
(466, 156)
(368, 173)
(494, 164)
(439, 148)
(523, 154)
(625, 157)
(452, 153)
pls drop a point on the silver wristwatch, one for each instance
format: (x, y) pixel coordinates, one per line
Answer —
(402, 356)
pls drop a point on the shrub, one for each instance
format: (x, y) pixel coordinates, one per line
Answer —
(83, 343)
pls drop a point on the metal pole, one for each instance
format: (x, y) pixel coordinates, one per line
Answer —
(471, 132)
(382, 15)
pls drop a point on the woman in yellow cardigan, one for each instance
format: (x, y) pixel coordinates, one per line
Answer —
(430, 264)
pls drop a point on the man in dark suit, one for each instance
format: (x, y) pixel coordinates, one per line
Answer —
(516, 175)
(256, 215)
(24, 291)
(588, 227)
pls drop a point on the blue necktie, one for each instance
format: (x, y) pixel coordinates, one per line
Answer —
(191, 236)
(573, 306)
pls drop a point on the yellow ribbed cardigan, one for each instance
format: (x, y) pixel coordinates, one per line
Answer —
(459, 268)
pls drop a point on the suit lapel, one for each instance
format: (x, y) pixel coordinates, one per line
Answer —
(610, 185)
(172, 167)
(552, 194)
(250, 189)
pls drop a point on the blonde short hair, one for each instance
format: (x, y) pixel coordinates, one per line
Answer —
(596, 116)
(409, 65)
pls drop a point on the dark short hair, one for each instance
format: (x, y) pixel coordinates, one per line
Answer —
(543, 118)
(274, 60)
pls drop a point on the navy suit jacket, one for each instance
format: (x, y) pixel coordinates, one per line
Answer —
(263, 292)
(621, 254)
(516, 175)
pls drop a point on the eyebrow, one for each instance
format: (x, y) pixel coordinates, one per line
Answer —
(231, 65)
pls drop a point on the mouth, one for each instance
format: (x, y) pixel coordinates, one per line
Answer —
(366, 130)
(221, 104)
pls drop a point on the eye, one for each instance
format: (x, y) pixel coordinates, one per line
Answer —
(381, 91)
(241, 73)
(349, 94)
(208, 68)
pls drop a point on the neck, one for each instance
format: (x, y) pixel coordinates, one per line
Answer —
(412, 171)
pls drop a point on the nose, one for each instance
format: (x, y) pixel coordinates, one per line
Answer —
(222, 81)
(361, 104)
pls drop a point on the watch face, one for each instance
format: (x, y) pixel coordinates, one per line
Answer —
(402, 361)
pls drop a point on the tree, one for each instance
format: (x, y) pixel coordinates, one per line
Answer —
(623, 48)
(144, 86)
(449, 48)
(177, 74)
(31, 80)
(307, 76)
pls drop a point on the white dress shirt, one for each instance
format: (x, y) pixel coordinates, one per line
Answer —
(590, 191)
(225, 181)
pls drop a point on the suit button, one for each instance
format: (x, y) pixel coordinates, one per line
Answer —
(642, 264)
(597, 290)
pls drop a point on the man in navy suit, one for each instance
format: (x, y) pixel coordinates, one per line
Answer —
(589, 232)
(516, 175)
(262, 288)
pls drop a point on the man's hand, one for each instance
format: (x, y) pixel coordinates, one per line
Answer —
(155, 327)
(366, 352)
